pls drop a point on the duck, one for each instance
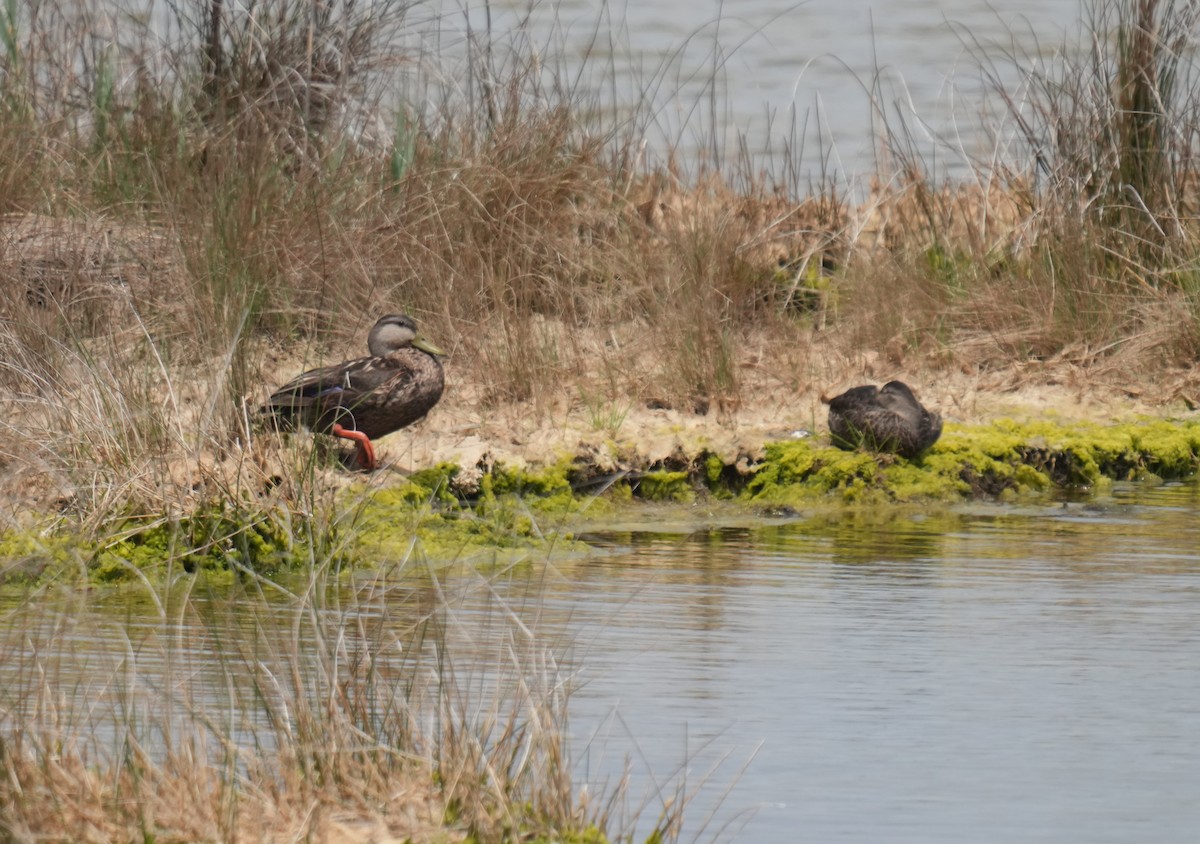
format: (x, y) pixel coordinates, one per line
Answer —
(363, 399)
(886, 419)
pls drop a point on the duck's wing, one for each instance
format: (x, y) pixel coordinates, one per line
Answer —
(882, 423)
(853, 421)
(870, 424)
(349, 384)
(921, 426)
(327, 386)
(904, 406)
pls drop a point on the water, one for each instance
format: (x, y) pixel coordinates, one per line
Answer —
(992, 673)
(1001, 675)
(815, 81)
(813, 77)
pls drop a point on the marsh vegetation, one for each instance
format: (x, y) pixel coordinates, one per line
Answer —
(202, 201)
(188, 221)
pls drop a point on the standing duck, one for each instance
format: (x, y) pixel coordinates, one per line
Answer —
(365, 398)
(887, 418)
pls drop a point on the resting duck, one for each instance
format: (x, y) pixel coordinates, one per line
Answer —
(887, 418)
(365, 398)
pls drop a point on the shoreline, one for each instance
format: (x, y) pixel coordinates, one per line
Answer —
(506, 485)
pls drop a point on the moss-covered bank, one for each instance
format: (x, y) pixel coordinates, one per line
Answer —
(1004, 459)
(437, 514)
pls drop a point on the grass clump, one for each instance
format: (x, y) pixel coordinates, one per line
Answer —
(1073, 243)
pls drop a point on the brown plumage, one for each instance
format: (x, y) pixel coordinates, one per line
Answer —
(365, 398)
(883, 419)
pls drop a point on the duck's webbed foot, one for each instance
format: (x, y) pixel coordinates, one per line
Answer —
(365, 453)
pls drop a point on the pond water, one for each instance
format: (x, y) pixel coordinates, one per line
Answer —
(810, 76)
(803, 89)
(993, 672)
(998, 674)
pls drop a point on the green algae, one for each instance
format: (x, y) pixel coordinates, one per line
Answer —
(421, 517)
(40, 553)
(553, 481)
(513, 512)
(1005, 459)
(799, 470)
(548, 492)
(388, 529)
(714, 467)
(434, 483)
(220, 536)
(665, 486)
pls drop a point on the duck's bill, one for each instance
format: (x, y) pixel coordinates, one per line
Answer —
(425, 346)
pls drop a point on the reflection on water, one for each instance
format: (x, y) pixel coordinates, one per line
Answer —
(1000, 673)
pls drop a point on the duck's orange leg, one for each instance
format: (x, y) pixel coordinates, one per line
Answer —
(365, 452)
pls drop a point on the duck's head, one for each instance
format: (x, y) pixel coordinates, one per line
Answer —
(394, 332)
(898, 390)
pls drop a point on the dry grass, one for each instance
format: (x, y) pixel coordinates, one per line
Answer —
(192, 225)
(272, 714)
(63, 797)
